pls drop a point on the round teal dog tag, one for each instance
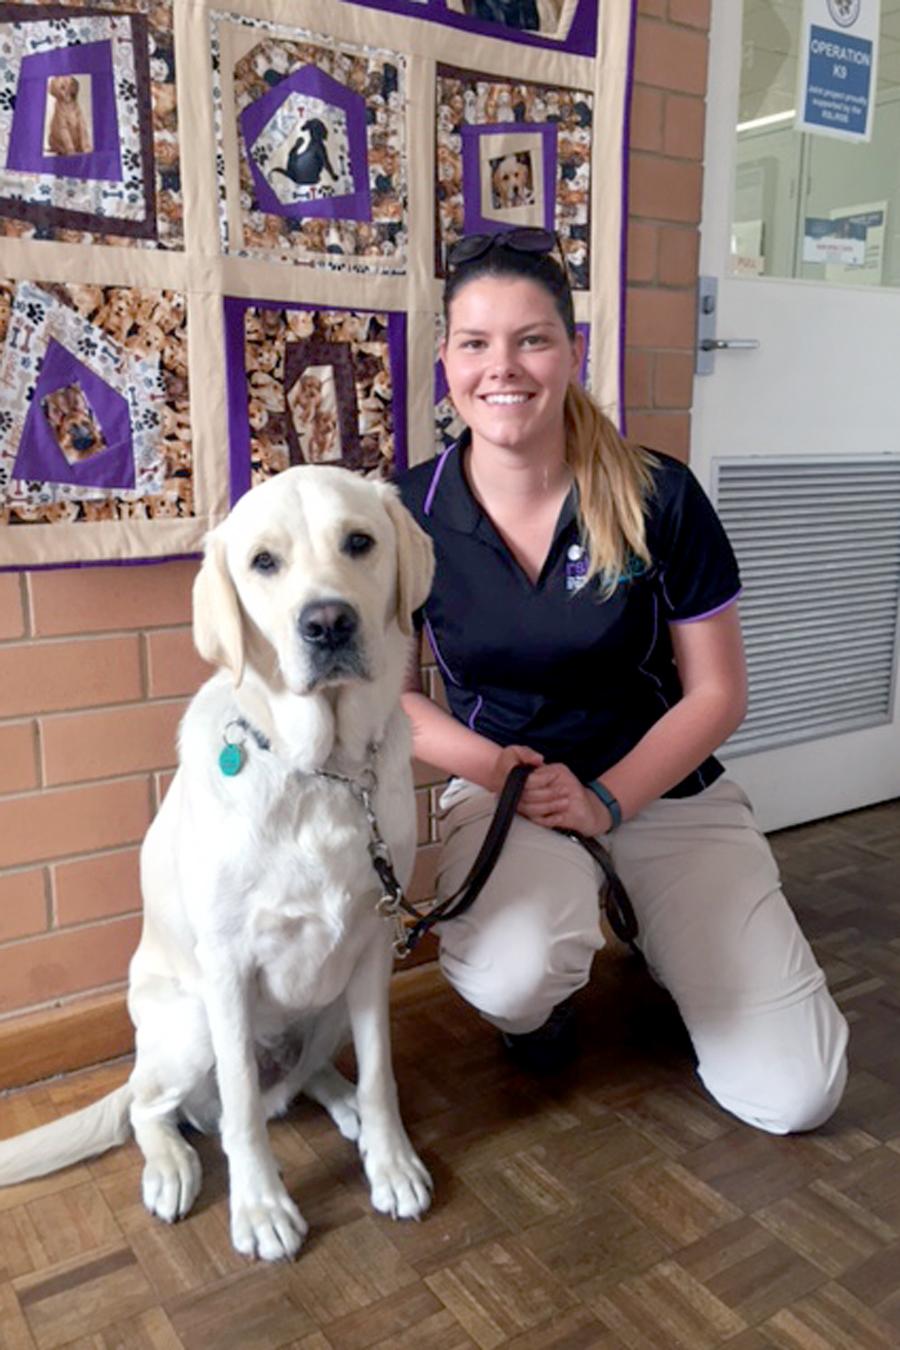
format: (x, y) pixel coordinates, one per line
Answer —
(231, 760)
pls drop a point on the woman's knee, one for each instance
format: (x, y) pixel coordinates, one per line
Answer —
(787, 1083)
(516, 983)
(790, 1104)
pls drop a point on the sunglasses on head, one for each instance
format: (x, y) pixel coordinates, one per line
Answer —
(525, 239)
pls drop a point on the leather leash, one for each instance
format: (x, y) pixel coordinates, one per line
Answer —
(613, 897)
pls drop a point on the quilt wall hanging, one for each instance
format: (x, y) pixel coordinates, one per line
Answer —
(222, 229)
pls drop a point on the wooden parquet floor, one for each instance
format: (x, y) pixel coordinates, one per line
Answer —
(613, 1207)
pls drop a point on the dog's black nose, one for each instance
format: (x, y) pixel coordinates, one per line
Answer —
(331, 624)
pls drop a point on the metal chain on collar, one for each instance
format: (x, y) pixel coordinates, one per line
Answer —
(393, 903)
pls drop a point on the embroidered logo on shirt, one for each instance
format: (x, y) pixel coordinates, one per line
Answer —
(576, 567)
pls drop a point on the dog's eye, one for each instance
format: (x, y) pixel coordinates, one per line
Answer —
(264, 561)
(357, 543)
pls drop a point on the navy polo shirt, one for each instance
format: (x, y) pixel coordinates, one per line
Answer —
(552, 664)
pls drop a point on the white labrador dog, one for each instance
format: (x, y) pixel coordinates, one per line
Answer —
(261, 938)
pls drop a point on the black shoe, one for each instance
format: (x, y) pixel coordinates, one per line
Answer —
(550, 1047)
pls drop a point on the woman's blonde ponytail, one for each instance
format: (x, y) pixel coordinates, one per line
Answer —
(614, 480)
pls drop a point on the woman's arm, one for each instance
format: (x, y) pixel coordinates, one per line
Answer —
(440, 740)
(710, 659)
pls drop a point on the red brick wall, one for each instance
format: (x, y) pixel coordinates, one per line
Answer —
(96, 664)
(667, 125)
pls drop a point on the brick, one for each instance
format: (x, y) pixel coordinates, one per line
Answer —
(63, 963)
(95, 888)
(104, 744)
(670, 432)
(12, 617)
(161, 784)
(657, 318)
(101, 599)
(424, 873)
(173, 666)
(423, 821)
(673, 380)
(679, 251)
(23, 904)
(665, 189)
(694, 13)
(438, 688)
(54, 824)
(646, 119)
(642, 251)
(670, 58)
(425, 774)
(684, 126)
(638, 378)
(18, 757)
(47, 676)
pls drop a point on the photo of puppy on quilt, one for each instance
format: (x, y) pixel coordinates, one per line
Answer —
(75, 428)
(67, 132)
(512, 182)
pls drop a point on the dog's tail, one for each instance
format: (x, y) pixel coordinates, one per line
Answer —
(60, 1143)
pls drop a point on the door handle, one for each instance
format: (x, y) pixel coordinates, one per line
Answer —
(707, 342)
(729, 344)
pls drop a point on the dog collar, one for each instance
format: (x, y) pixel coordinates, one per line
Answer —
(233, 756)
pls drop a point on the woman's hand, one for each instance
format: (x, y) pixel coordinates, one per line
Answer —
(507, 759)
(554, 797)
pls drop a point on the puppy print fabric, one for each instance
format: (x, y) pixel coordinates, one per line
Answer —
(224, 228)
(94, 411)
(569, 24)
(511, 154)
(88, 124)
(311, 142)
(314, 386)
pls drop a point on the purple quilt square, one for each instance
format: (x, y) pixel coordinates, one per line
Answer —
(510, 20)
(40, 458)
(473, 221)
(239, 431)
(54, 77)
(309, 158)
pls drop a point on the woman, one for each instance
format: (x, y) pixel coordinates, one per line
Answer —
(584, 619)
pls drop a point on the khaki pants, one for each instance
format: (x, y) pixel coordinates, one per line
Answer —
(715, 930)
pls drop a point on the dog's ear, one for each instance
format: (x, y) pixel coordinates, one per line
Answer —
(218, 627)
(415, 559)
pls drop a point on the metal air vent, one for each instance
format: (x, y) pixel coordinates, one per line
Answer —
(818, 542)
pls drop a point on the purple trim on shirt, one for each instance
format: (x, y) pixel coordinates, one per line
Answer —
(435, 479)
(695, 618)
(445, 670)
(475, 711)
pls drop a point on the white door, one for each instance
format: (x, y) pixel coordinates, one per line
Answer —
(798, 441)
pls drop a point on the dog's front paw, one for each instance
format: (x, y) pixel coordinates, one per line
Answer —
(171, 1180)
(398, 1179)
(269, 1225)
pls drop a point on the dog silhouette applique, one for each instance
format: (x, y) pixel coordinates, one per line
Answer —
(308, 155)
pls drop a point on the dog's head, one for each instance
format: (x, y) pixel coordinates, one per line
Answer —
(317, 566)
(510, 178)
(64, 88)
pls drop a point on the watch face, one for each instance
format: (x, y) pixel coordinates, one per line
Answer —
(844, 12)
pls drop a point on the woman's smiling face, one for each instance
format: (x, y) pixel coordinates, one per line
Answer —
(509, 361)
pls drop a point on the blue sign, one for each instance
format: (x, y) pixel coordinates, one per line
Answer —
(837, 70)
(839, 81)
